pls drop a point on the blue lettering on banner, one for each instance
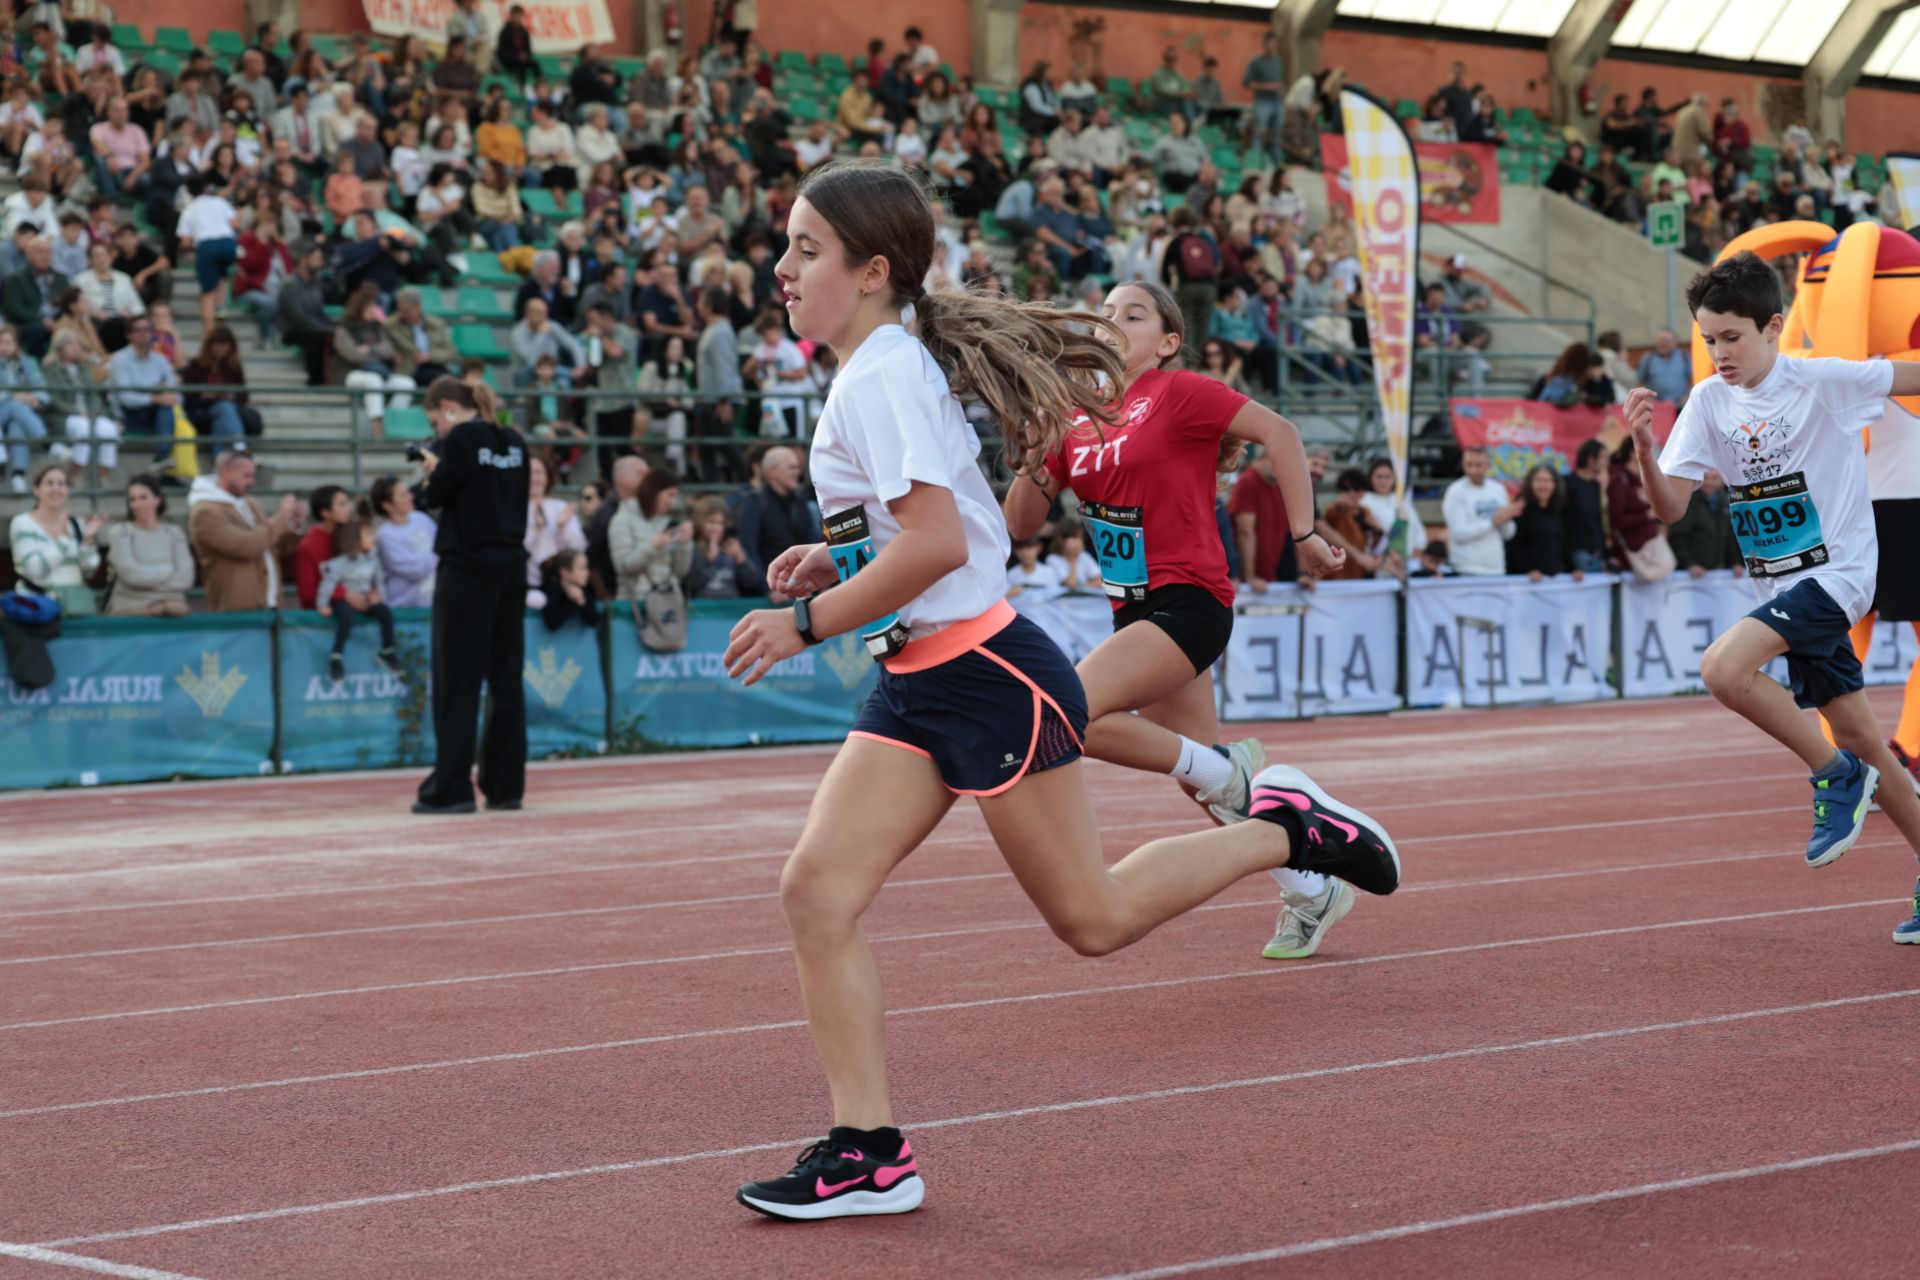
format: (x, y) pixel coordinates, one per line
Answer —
(1358, 672)
(1650, 650)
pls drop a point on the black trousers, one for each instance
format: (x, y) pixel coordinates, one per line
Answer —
(478, 616)
(344, 616)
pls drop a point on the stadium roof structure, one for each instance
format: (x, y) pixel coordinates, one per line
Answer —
(1831, 44)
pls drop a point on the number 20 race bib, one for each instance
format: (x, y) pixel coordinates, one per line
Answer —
(1119, 542)
(1777, 526)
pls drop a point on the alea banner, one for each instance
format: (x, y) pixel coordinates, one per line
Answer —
(136, 699)
(558, 26)
(1334, 650)
(1385, 192)
(1459, 181)
(1486, 641)
(1519, 435)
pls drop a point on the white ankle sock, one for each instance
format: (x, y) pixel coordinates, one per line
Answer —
(1305, 884)
(1202, 766)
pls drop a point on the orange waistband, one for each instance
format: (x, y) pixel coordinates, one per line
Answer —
(950, 642)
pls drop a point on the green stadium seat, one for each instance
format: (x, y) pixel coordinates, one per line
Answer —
(127, 37)
(434, 303)
(173, 39)
(226, 44)
(1407, 109)
(542, 201)
(627, 68)
(478, 342)
(1525, 117)
(791, 60)
(1226, 157)
(407, 424)
(486, 269)
(833, 64)
(552, 67)
(1120, 88)
(990, 228)
(998, 99)
(165, 63)
(806, 110)
(946, 69)
(482, 303)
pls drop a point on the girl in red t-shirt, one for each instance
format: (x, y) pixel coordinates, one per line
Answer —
(1146, 488)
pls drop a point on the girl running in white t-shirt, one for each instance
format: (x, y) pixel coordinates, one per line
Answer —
(972, 700)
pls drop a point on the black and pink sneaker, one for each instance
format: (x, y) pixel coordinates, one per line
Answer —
(837, 1178)
(1339, 840)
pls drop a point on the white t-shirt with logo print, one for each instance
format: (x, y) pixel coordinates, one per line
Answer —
(1801, 424)
(891, 420)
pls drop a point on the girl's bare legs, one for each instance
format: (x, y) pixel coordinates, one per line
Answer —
(1142, 667)
(849, 846)
(1046, 831)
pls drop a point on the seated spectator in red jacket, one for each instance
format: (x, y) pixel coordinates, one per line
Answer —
(332, 506)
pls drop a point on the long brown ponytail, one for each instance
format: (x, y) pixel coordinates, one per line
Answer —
(1036, 368)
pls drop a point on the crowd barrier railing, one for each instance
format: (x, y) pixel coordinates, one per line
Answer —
(229, 695)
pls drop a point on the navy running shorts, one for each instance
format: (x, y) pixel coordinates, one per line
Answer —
(1821, 665)
(988, 700)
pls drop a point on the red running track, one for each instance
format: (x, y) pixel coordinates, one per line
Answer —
(1610, 1027)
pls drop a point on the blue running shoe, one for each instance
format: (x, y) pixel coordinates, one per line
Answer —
(1840, 809)
(1909, 930)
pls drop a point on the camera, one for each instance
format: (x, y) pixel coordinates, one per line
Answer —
(417, 451)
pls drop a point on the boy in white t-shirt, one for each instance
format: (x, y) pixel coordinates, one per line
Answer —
(1786, 435)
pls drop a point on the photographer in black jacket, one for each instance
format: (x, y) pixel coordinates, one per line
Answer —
(476, 483)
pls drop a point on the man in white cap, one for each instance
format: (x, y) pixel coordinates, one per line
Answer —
(1464, 297)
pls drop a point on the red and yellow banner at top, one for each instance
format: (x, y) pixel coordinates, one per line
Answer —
(558, 26)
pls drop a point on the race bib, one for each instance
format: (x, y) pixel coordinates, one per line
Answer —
(1119, 542)
(1777, 526)
(850, 542)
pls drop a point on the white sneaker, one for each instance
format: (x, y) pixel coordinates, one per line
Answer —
(1228, 802)
(17, 483)
(1305, 922)
(60, 451)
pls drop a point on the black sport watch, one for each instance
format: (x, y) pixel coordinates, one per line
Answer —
(803, 621)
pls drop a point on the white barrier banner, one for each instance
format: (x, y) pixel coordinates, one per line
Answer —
(1075, 620)
(1482, 641)
(1666, 626)
(1350, 662)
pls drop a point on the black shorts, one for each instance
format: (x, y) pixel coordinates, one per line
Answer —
(1821, 665)
(1197, 622)
(1897, 522)
(988, 700)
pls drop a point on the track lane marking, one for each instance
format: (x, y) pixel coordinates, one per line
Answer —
(984, 1117)
(525, 1055)
(1331, 1244)
(80, 1262)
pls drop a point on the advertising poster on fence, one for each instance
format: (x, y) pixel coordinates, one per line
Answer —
(135, 699)
(1331, 651)
(1459, 181)
(1491, 641)
(1386, 217)
(1519, 435)
(558, 26)
(566, 691)
(1666, 626)
(372, 719)
(665, 701)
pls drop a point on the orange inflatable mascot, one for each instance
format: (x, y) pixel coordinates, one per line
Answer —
(1859, 297)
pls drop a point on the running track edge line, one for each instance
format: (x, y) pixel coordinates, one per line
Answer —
(1332, 1243)
(80, 1262)
(1052, 1108)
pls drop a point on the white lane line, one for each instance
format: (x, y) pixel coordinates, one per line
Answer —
(1017, 1113)
(1332, 1243)
(1075, 993)
(533, 838)
(79, 1262)
(1420, 842)
(474, 921)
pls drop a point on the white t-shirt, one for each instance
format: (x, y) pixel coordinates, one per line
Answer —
(1043, 577)
(206, 218)
(1893, 455)
(784, 357)
(1794, 466)
(1088, 570)
(891, 420)
(1475, 544)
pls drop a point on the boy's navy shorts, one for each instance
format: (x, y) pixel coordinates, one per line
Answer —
(988, 700)
(1821, 664)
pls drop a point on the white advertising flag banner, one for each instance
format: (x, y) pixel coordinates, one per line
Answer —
(1491, 641)
(558, 26)
(1349, 662)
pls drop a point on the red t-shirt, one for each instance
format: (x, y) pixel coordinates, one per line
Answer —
(1154, 476)
(1255, 495)
(315, 549)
